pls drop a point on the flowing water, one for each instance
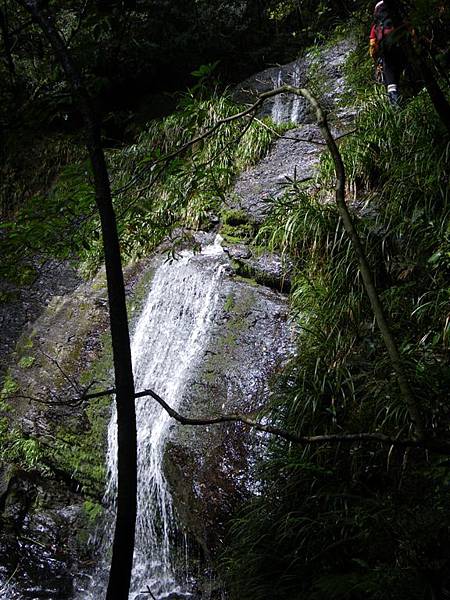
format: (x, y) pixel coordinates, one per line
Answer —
(167, 344)
(288, 108)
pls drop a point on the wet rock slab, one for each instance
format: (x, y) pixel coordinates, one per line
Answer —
(293, 157)
(266, 268)
(283, 108)
(39, 545)
(43, 527)
(211, 469)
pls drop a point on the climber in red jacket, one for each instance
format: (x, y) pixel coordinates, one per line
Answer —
(384, 45)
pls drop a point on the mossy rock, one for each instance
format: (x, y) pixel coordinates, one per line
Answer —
(209, 468)
(234, 217)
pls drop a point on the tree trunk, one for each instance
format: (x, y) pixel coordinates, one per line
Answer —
(123, 544)
(438, 98)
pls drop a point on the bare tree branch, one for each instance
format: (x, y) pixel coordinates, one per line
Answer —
(250, 420)
(149, 592)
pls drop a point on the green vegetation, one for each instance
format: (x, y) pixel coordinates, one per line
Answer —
(229, 303)
(190, 187)
(22, 452)
(26, 362)
(93, 510)
(350, 521)
(9, 387)
(236, 227)
(346, 521)
(74, 453)
(79, 448)
(153, 196)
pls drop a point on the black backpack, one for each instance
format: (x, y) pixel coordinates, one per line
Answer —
(383, 22)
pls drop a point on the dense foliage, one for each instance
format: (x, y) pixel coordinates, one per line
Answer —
(358, 520)
(153, 196)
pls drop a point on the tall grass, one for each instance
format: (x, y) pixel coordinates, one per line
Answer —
(359, 521)
(153, 197)
(185, 191)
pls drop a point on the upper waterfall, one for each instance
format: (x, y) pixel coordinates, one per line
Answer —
(288, 108)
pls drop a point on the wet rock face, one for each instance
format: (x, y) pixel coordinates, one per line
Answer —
(294, 156)
(321, 71)
(265, 268)
(26, 303)
(40, 512)
(284, 108)
(211, 469)
(44, 527)
(39, 544)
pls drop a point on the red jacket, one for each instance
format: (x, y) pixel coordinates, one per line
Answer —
(382, 23)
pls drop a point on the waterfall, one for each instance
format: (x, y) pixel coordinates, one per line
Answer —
(297, 101)
(288, 108)
(280, 106)
(167, 344)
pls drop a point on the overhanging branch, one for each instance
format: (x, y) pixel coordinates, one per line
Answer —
(250, 420)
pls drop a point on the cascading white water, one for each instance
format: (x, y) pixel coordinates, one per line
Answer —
(166, 346)
(287, 108)
(279, 109)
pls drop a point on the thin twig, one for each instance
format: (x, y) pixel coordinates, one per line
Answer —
(149, 591)
(146, 188)
(10, 578)
(54, 362)
(70, 402)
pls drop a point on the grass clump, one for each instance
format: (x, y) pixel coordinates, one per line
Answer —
(26, 362)
(236, 228)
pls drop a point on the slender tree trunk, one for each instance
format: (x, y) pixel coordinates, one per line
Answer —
(123, 544)
(364, 267)
(437, 96)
